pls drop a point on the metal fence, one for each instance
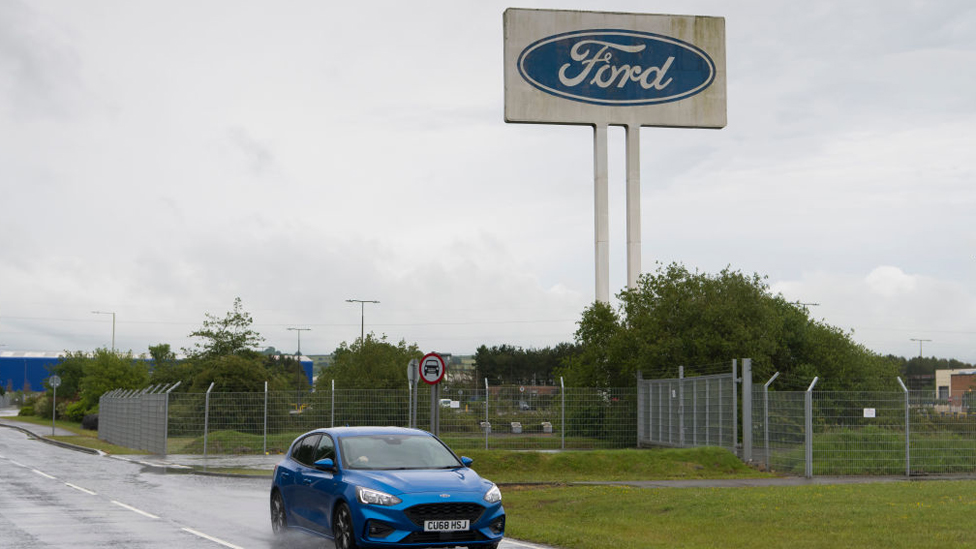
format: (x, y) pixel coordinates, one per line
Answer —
(866, 433)
(686, 412)
(512, 417)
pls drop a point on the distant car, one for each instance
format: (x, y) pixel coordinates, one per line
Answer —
(384, 487)
(431, 368)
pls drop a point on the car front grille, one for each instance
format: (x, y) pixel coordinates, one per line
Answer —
(435, 537)
(444, 511)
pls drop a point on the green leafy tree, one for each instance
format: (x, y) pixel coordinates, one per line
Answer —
(675, 317)
(231, 335)
(107, 370)
(375, 363)
(70, 368)
(505, 364)
(231, 374)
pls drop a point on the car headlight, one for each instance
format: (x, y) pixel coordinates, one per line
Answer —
(375, 497)
(494, 495)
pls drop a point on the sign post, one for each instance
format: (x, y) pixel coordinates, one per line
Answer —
(624, 69)
(413, 374)
(432, 369)
(54, 382)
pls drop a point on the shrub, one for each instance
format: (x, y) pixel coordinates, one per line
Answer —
(26, 411)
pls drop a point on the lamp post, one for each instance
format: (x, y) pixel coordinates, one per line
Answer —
(113, 325)
(362, 318)
(920, 345)
(300, 330)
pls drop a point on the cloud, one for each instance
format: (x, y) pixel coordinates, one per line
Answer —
(887, 307)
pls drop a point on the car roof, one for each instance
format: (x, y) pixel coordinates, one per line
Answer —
(367, 431)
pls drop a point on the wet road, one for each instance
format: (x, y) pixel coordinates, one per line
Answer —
(53, 497)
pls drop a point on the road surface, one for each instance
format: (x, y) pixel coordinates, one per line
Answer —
(55, 497)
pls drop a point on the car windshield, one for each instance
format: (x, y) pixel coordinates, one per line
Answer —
(396, 452)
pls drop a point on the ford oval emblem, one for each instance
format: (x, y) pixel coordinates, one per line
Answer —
(616, 67)
(445, 495)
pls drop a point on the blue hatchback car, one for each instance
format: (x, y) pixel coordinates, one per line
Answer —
(384, 487)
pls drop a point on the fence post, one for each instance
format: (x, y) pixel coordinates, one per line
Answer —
(562, 393)
(166, 414)
(265, 447)
(766, 416)
(487, 424)
(641, 424)
(908, 450)
(808, 443)
(681, 406)
(735, 406)
(206, 418)
(747, 410)
(332, 421)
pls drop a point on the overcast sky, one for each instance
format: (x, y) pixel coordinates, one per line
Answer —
(159, 159)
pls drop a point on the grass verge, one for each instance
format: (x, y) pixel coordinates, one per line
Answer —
(81, 437)
(889, 515)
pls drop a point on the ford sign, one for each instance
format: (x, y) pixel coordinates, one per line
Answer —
(616, 67)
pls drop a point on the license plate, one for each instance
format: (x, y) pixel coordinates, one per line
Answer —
(445, 525)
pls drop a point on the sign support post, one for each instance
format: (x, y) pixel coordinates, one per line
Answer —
(601, 214)
(622, 69)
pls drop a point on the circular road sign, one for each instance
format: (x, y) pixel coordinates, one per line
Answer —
(432, 368)
(54, 382)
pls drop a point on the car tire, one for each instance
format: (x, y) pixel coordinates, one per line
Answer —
(279, 519)
(342, 529)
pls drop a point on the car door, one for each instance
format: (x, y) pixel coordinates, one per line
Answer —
(322, 488)
(297, 497)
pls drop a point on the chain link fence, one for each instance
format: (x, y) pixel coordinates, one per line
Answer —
(688, 412)
(511, 417)
(862, 433)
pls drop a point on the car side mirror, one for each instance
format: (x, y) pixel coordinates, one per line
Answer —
(466, 461)
(325, 464)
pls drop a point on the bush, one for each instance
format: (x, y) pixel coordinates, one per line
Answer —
(75, 411)
(90, 422)
(26, 411)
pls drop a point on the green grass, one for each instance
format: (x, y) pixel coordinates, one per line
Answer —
(82, 437)
(876, 451)
(889, 515)
(506, 466)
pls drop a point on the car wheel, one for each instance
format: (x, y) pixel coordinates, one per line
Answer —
(279, 521)
(342, 530)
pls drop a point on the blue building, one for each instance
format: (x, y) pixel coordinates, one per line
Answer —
(26, 370)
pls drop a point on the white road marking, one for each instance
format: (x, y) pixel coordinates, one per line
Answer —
(134, 510)
(211, 538)
(43, 474)
(509, 541)
(18, 464)
(89, 492)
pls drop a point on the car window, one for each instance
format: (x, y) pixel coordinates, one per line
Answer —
(396, 452)
(304, 450)
(325, 450)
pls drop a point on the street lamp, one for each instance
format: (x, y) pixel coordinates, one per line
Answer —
(920, 345)
(300, 330)
(113, 325)
(362, 317)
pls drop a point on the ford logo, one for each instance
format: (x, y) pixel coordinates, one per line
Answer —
(616, 67)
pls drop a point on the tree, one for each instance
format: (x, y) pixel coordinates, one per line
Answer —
(675, 317)
(231, 335)
(107, 370)
(70, 368)
(231, 374)
(375, 363)
(514, 365)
